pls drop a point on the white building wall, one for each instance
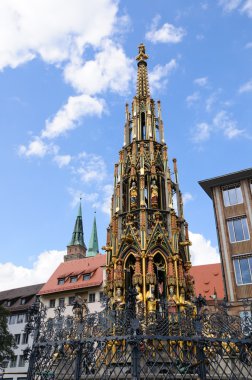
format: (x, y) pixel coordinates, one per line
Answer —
(17, 372)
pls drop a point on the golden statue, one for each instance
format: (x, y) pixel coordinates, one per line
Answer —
(172, 301)
(139, 300)
(133, 196)
(151, 301)
(154, 194)
(119, 299)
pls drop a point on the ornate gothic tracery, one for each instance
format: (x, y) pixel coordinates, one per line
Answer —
(147, 239)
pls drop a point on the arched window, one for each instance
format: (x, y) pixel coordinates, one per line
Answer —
(129, 271)
(160, 271)
(157, 133)
(143, 126)
(130, 134)
(125, 196)
(146, 195)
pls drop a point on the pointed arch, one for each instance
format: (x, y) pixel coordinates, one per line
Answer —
(160, 268)
(129, 270)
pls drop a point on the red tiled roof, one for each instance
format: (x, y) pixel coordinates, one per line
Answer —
(208, 280)
(92, 265)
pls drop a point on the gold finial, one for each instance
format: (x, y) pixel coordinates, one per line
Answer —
(141, 53)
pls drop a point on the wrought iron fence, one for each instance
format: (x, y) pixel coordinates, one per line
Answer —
(128, 344)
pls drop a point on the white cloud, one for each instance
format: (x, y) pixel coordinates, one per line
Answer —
(248, 45)
(14, 276)
(192, 99)
(62, 160)
(204, 6)
(158, 76)
(202, 82)
(91, 167)
(246, 87)
(229, 5)
(53, 30)
(68, 116)
(212, 99)
(247, 8)
(100, 200)
(167, 33)
(202, 252)
(187, 197)
(37, 147)
(224, 122)
(59, 32)
(109, 70)
(201, 132)
(77, 194)
(200, 37)
(244, 6)
(104, 204)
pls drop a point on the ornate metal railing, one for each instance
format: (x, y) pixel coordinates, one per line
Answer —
(121, 344)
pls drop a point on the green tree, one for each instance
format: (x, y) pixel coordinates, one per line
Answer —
(7, 342)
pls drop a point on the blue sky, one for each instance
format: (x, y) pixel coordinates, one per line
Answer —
(67, 70)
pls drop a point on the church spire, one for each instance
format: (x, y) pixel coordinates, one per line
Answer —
(77, 248)
(93, 247)
(142, 73)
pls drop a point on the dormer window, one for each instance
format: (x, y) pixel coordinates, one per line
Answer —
(61, 281)
(22, 301)
(8, 303)
(86, 276)
(73, 279)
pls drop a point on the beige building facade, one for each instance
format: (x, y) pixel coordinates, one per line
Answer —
(232, 201)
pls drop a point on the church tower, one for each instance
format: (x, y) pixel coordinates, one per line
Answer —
(93, 247)
(77, 249)
(147, 239)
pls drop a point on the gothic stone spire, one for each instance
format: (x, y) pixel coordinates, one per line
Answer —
(93, 247)
(147, 241)
(77, 248)
(142, 73)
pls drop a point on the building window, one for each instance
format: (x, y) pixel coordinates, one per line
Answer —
(4, 364)
(232, 195)
(61, 302)
(52, 303)
(22, 301)
(12, 319)
(25, 337)
(91, 297)
(20, 318)
(101, 296)
(61, 281)
(71, 300)
(243, 269)
(246, 322)
(8, 303)
(73, 279)
(17, 338)
(13, 362)
(21, 362)
(238, 229)
(86, 276)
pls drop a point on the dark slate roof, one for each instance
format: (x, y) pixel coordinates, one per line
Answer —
(226, 179)
(15, 296)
